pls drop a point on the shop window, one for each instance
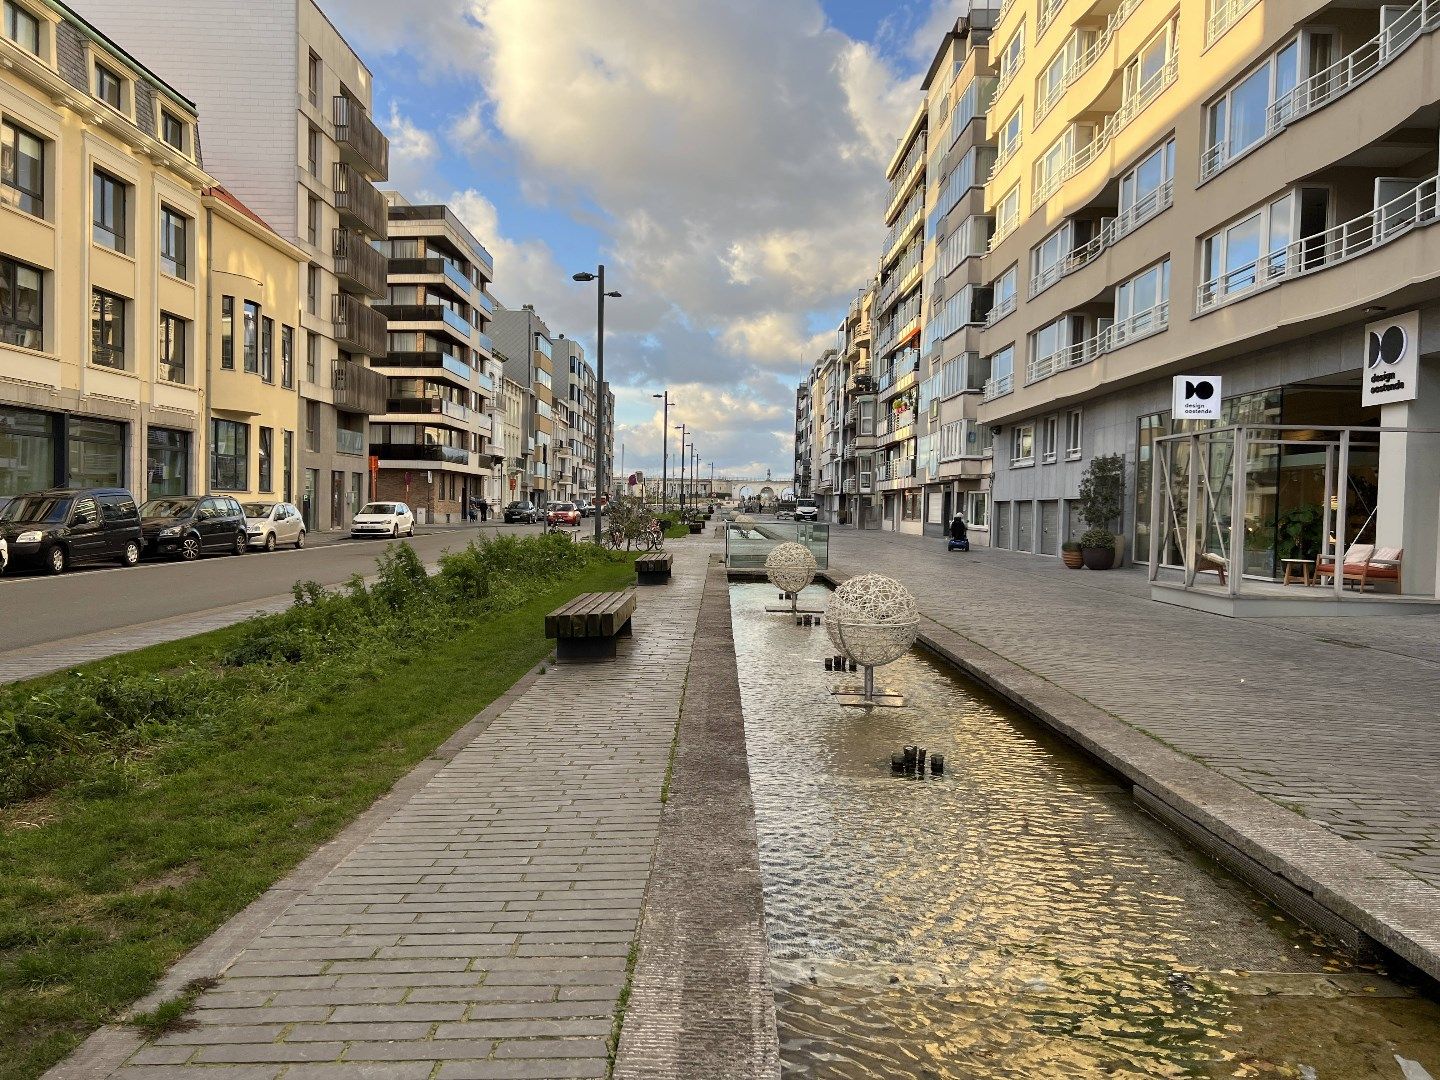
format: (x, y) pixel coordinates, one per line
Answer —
(167, 463)
(229, 456)
(27, 450)
(95, 452)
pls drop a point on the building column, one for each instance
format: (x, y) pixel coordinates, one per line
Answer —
(1408, 504)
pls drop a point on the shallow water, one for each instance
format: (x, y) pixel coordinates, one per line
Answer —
(1017, 917)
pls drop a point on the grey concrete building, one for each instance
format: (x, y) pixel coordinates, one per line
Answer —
(527, 346)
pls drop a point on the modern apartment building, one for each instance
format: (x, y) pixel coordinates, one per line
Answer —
(575, 398)
(1240, 189)
(102, 262)
(528, 349)
(435, 446)
(286, 103)
(515, 404)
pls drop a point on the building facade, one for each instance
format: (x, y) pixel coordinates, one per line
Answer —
(286, 103)
(515, 404)
(528, 348)
(575, 397)
(102, 259)
(436, 444)
(1230, 189)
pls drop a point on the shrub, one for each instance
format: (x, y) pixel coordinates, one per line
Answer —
(1102, 493)
(1097, 538)
(1069, 545)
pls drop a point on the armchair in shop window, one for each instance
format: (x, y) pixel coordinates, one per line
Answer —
(1364, 564)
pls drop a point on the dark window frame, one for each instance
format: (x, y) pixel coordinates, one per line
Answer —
(25, 332)
(30, 200)
(170, 122)
(265, 464)
(227, 332)
(174, 348)
(250, 336)
(14, 13)
(107, 311)
(287, 356)
(104, 73)
(229, 472)
(110, 233)
(267, 349)
(174, 226)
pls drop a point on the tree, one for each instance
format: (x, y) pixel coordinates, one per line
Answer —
(1102, 498)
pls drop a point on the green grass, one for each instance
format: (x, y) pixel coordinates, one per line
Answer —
(675, 532)
(101, 890)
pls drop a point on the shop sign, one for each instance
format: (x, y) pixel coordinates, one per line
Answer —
(1195, 397)
(1392, 360)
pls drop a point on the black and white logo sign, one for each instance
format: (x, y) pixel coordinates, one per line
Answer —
(1392, 359)
(1196, 397)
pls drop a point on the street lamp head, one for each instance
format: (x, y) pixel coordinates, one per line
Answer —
(616, 295)
(657, 397)
(583, 276)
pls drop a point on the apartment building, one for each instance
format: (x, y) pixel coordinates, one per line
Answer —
(528, 348)
(286, 103)
(435, 444)
(575, 398)
(514, 402)
(1238, 189)
(102, 257)
(609, 480)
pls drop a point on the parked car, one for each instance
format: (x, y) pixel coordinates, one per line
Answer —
(270, 524)
(585, 508)
(806, 510)
(562, 513)
(62, 527)
(188, 526)
(4, 554)
(392, 519)
(523, 512)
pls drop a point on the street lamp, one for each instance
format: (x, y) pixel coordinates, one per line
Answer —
(600, 295)
(664, 444)
(681, 428)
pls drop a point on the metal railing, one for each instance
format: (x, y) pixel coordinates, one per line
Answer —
(358, 388)
(902, 175)
(1048, 10)
(359, 202)
(1117, 335)
(1085, 60)
(359, 263)
(1001, 308)
(1224, 15)
(1007, 77)
(349, 442)
(359, 139)
(1112, 231)
(358, 328)
(1348, 240)
(1004, 157)
(997, 387)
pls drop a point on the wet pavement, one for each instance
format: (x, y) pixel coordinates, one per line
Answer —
(1019, 916)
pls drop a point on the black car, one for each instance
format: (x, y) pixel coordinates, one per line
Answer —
(61, 527)
(523, 512)
(188, 526)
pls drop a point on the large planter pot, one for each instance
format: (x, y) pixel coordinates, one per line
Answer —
(696, 528)
(1075, 560)
(1098, 558)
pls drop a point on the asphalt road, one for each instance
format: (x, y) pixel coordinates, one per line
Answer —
(36, 609)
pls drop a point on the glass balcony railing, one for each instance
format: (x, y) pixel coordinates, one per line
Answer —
(484, 341)
(456, 321)
(458, 277)
(452, 455)
(487, 304)
(349, 442)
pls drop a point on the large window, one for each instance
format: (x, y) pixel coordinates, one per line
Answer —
(108, 86)
(287, 356)
(251, 331)
(172, 347)
(167, 463)
(1007, 212)
(1140, 187)
(1241, 117)
(21, 306)
(22, 27)
(1142, 302)
(227, 331)
(174, 242)
(94, 453)
(1010, 131)
(977, 509)
(1012, 54)
(267, 349)
(1253, 250)
(22, 169)
(1022, 444)
(27, 450)
(265, 459)
(108, 204)
(229, 456)
(1143, 74)
(107, 330)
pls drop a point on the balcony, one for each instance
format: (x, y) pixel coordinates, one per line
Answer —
(907, 365)
(1112, 231)
(1001, 308)
(359, 203)
(1388, 222)
(362, 144)
(1142, 324)
(1225, 15)
(1048, 10)
(432, 358)
(349, 442)
(429, 313)
(358, 264)
(454, 276)
(434, 406)
(998, 387)
(448, 455)
(1007, 76)
(483, 340)
(484, 383)
(1085, 60)
(358, 328)
(357, 388)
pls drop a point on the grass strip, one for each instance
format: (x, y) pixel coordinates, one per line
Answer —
(108, 878)
(622, 1003)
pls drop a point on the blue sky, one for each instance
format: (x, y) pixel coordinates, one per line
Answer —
(723, 159)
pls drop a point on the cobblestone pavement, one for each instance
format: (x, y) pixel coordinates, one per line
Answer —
(483, 929)
(1333, 718)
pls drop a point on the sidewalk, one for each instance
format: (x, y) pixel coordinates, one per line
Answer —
(482, 928)
(1333, 719)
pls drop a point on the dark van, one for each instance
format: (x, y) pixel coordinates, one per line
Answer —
(55, 529)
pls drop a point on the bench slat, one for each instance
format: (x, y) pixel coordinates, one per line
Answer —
(591, 615)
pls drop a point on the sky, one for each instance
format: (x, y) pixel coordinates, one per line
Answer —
(723, 158)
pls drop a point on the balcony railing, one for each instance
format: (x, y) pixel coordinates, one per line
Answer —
(1111, 232)
(998, 387)
(358, 328)
(432, 358)
(1004, 157)
(358, 263)
(349, 442)
(359, 202)
(1048, 10)
(1333, 82)
(361, 143)
(1224, 15)
(429, 313)
(437, 406)
(1007, 77)
(1085, 60)
(450, 455)
(357, 388)
(901, 368)
(1001, 308)
(1346, 241)
(1142, 324)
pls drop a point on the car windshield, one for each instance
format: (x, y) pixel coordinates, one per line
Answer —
(37, 508)
(258, 510)
(806, 504)
(563, 506)
(164, 508)
(378, 508)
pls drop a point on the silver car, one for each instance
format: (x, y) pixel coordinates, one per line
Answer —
(270, 524)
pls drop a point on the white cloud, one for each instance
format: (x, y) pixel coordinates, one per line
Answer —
(413, 154)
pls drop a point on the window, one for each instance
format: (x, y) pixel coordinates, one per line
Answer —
(312, 357)
(1142, 303)
(22, 169)
(288, 452)
(108, 199)
(1240, 118)
(910, 505)
(1012, 54)
(1047, 256)
(1247, 252)
(1022, 444)
(167, 462)
(22, 27)
(312, 221)
(1002, 364)
(174, 241)
(312, 425)
(95, 452)
(1004, 297)
(312, 289)
(316, 80)
(172, 129)
(266, 454)
(977, 509)
(107, 330)
(229, 456)
(1145, 73)
(172, 347)
(1072, 435)
(267, 349)
(1052, 339)
(313, 155)
(1007, 212)
(21, 308)
(1140, 187)
(1010, 131)
(251, 330)
(287, 356)
(227, 331)
(107, 86)
(1049, 439)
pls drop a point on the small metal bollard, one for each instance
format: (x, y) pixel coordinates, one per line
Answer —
(937, 764)
(897, 762)
(910, 753)
(829, 663)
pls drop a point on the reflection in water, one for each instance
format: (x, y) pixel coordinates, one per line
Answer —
(1018, 917)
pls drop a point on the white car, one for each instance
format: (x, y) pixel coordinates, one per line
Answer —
(270, 524)
(4, 555)
(392, 519)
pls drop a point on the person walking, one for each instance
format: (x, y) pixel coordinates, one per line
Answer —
(484, 510)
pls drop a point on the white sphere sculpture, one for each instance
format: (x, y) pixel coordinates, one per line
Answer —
(744, 522)
(790, 567)
(872, 620)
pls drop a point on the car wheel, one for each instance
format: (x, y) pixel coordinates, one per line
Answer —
(270, 541)
(190, 548)
(55, 560)
(131, 555)
(242, 544)
(411, 533)
(300, 540)
(394, 532)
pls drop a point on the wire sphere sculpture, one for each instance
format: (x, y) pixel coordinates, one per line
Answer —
(872, 620)
(790, 567)
(745, 523)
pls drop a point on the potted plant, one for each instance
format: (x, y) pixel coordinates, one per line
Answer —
(1070, 555)
(1102, 500)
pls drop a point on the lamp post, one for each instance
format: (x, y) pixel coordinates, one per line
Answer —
(664, 442)
(600, 294)
(681, 500)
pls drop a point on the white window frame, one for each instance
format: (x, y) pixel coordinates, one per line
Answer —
(1007, 212)
(1215, 254)
(1022, 445)
(1074, 433)
(1220, 146)
(1049, 439)
(1131, 195)
(1007, 140)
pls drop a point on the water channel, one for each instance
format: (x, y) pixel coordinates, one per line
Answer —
(1018, 917)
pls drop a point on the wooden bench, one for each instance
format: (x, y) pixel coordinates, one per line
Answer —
(585, 629)
(654, 568)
